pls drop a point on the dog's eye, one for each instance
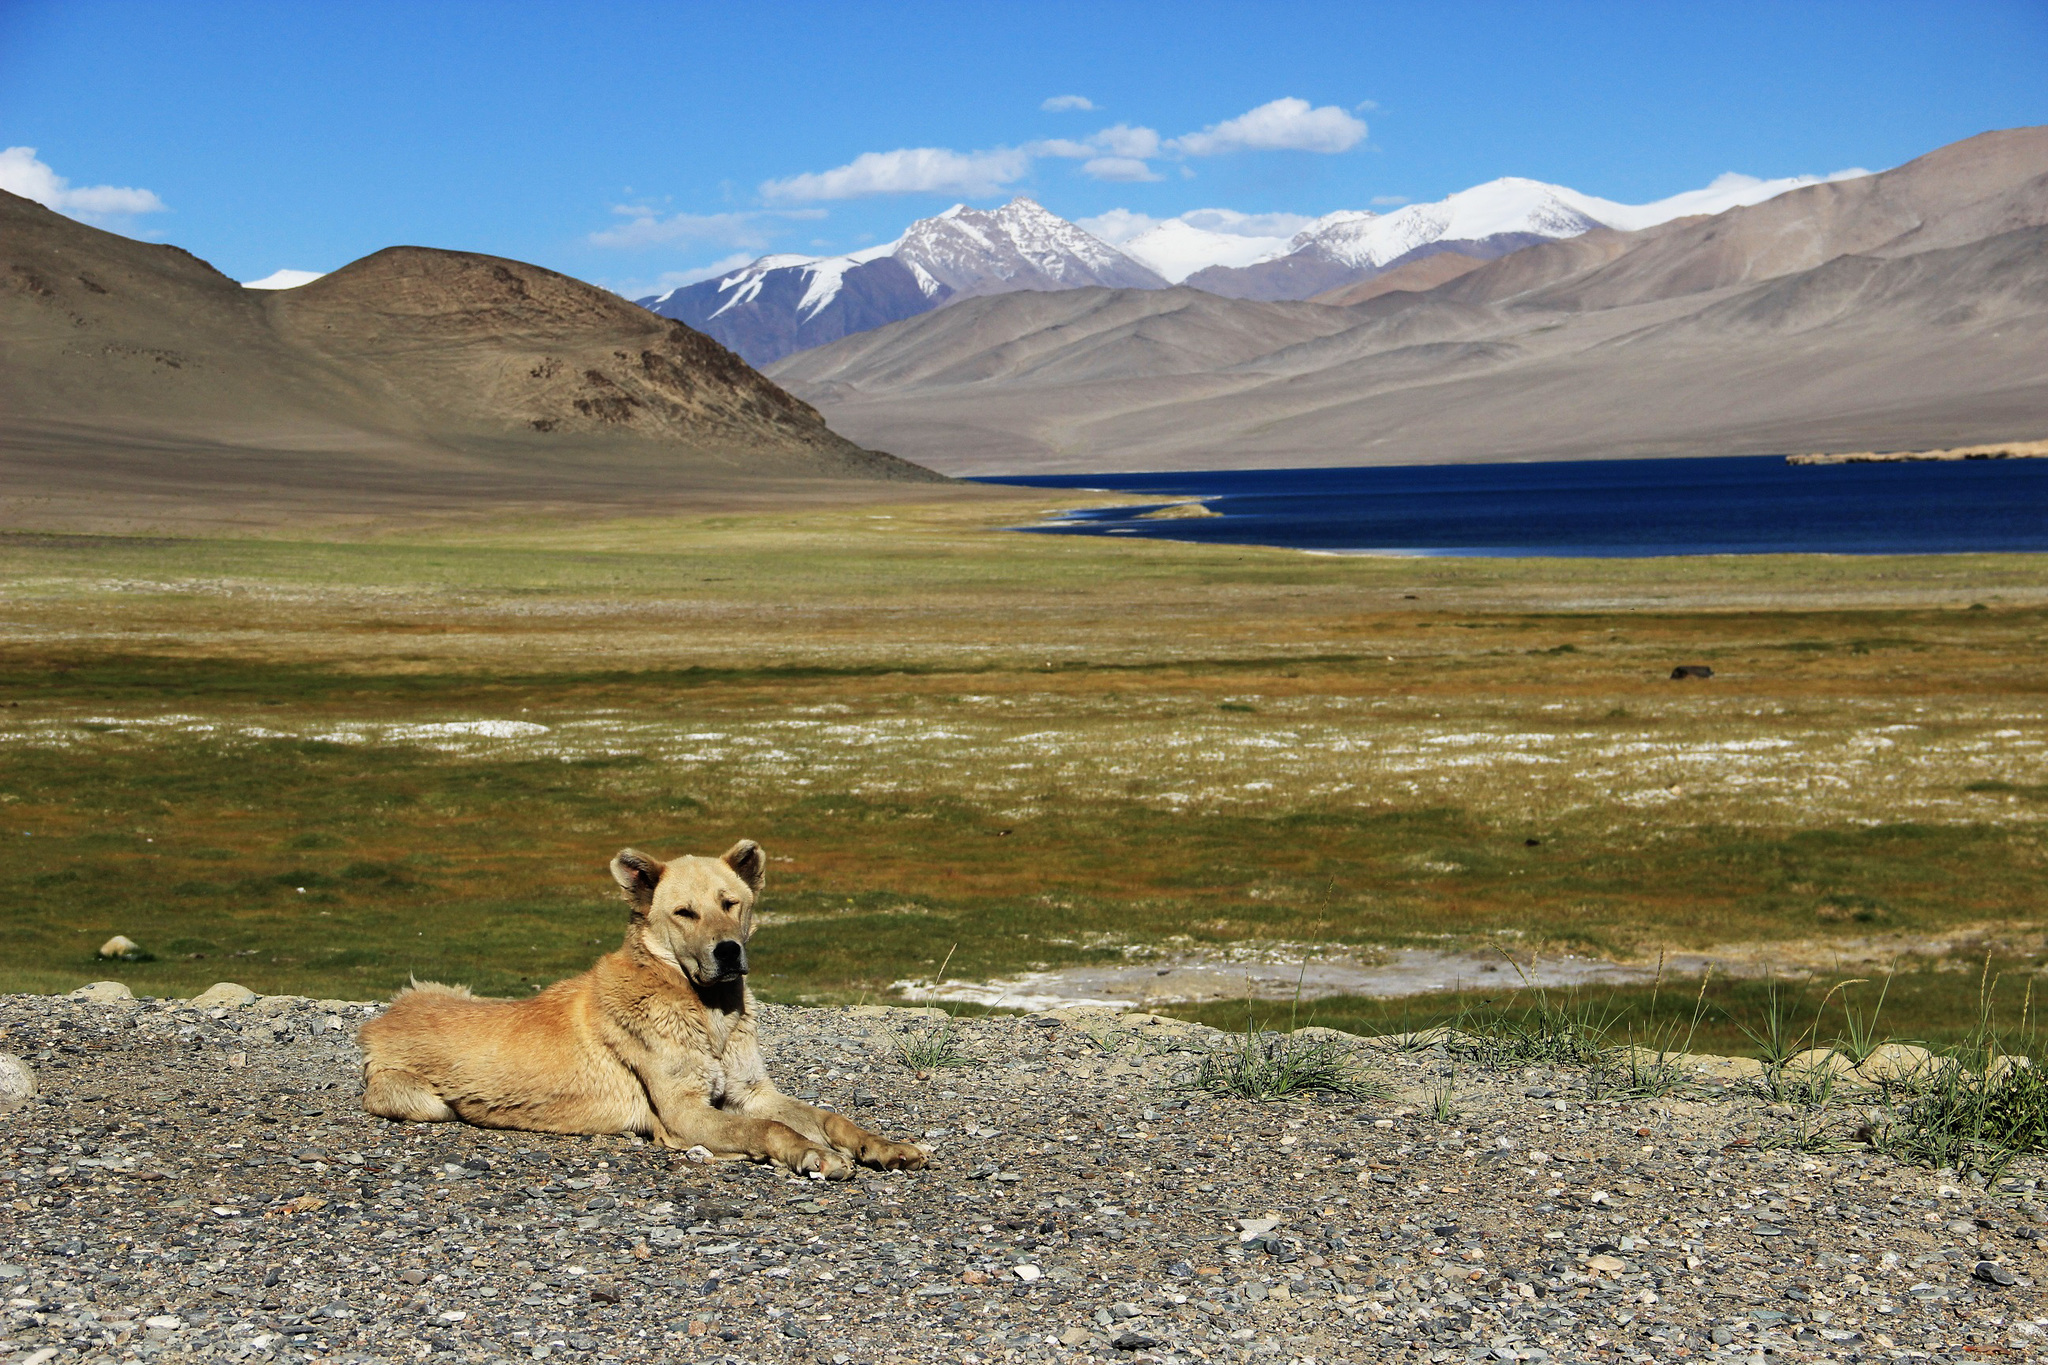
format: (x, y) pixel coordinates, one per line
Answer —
(685, 912)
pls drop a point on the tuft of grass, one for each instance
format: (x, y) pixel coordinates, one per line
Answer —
(1443, 1101)
(1772, 1036)
(1860, 1036)
(1263, 1066)
(1983, 1109)
(1544, 1033)
(1651, 1066)
(1109, 1041)
(937, 1048)
(1816, 1130)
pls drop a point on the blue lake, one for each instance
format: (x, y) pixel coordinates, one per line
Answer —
(1734, 505)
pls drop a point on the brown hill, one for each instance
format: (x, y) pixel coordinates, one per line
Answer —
(1413, 277)
(1961, 193)
(413, 377)
(1901, 310)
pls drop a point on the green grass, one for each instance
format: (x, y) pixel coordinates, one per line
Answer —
(1264, 1066)
(1938, 1005)
(936, 1047)
(1041, 749)
(345, 868)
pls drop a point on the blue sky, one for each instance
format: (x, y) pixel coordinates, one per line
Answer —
(306, 136)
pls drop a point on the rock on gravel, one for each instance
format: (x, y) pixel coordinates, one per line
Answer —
(17, 1083)
(225, 993)
(164, 1203)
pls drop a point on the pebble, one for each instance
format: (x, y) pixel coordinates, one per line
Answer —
(163, 1204)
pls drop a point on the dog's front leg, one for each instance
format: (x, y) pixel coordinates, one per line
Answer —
(869, 1149)
(749, 1089)
(688, 1119)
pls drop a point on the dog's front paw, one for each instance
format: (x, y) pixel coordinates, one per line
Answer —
(894, 1156)
(826, 1162)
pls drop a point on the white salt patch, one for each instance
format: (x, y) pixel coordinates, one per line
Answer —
(483, 729)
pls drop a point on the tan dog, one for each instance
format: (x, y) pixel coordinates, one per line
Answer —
(657, 1038)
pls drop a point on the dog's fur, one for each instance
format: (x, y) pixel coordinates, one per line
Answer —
(657, 1038)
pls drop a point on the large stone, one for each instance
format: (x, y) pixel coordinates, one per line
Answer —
(2004, 1064)
(1088, 1016)
(225, 993)
(1316, 1033)
(1892, 1062)
(1164, 1024)
(1818, 1061)
(17, 1083)
(121, 948)
(1709, 1066)
(103, 992)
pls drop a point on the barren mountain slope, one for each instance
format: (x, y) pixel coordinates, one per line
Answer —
(1860, 353)
(1817, 319)
(1956, 194)
(455, 344)
(1074, 335)
(1417, 276)
(413, 377)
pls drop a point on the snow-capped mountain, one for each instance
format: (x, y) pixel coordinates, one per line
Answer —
(1485, 221)
(781, 304)
(1176, 248)
(1018, 246)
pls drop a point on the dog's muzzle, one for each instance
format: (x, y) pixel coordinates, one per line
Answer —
(730, 957)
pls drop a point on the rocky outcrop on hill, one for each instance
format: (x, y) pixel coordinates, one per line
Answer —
(195, 1181)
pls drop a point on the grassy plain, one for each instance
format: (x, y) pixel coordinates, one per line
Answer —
(321, 765)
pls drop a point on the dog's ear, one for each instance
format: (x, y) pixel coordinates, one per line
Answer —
(747, 859)
(637, 875)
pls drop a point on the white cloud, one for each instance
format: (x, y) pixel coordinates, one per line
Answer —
(1124, 140)
(1126, 169)
(1118, 225)
(1116, 153)
(644, 227)
(284, 279)
(1282, 125)
(1119, 153)
(907, 170)
(1119, 140)
(1060, 104)
(21, 173)
(1389, 201)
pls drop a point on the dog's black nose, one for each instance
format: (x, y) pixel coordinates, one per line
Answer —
(731, 957)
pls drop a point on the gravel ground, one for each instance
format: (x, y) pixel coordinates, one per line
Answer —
(199, 1184)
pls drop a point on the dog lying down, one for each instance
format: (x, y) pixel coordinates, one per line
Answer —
(657, 1038)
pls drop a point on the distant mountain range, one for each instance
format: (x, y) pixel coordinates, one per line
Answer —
(1903, 310)
(782, 304)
